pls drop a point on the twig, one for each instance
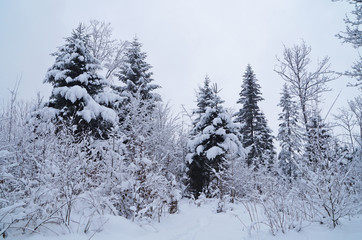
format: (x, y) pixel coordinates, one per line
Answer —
(98, 230)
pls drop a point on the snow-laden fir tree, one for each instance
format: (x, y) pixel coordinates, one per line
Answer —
(136, 78)
(78, 94)
(197, 174)
(289, 133)
(204, 99)
(257, 136)
(265, 138)
(318, 141)
(213, 144)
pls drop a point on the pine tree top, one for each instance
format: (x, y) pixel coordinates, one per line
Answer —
(256, 134)
(134, 74)
(204, 99)
(250, 95)
(288, 105)
(74, 65)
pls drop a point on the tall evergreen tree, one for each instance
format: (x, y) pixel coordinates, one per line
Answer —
(78, 94)
(289, 133)
(256, 134)
(318, 141)
(214, 140)
(135, 77)
(264, 135)
(204, 99)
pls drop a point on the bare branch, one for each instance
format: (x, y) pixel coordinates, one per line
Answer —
(109, 51)
(304, 84)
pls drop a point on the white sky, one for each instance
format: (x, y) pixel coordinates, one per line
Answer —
(184, 40)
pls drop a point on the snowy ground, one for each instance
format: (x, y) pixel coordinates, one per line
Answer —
(203, 223)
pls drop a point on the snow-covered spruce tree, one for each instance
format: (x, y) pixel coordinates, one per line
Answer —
(204, 99)
(213, 144)
(136, 79)
(266, 141)
(257, 136)
(319, 137)
(78, 92)
(197, 174)
(289, 134)
(148, 186)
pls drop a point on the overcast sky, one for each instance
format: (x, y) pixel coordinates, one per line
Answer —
(184, 40)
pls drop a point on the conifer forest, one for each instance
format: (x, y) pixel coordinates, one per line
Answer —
(105, 144)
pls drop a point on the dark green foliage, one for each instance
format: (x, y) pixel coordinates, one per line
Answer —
(136, 78)
(289, 134)
(213, 143)
(77, 86)
(256, 134)
(204, 99)
(318, 141)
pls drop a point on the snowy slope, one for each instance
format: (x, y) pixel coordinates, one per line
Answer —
(203, 223)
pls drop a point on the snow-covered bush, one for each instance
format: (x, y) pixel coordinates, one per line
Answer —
(44, 174)
(332, 190)
(149, 187)
(269, 200)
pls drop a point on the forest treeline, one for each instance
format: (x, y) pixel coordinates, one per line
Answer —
(106, 143)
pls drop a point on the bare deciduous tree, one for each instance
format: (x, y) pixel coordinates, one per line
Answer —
(346, 120)
(305, 84)
(353, 35)
(13, 96)
(109, 51)
(356, 107)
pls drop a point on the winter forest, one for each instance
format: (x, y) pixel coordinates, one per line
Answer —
(106, 144)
